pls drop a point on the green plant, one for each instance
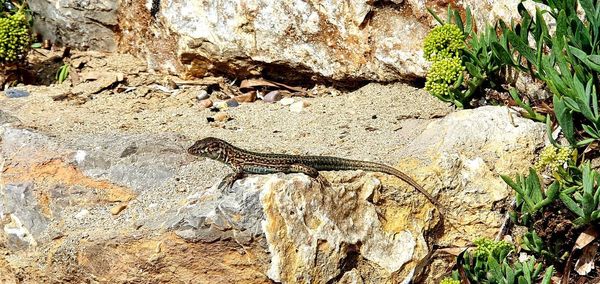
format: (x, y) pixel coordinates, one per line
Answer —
(531, 242)
(490, 263)
(476, 263)
(489, 248)
(584, 204)
(62, 73)
(457, 44)
(531, 197)
(568, 61)
(15, 38)
(526, 272)
(529, 112)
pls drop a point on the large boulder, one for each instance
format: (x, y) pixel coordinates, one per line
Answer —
(137, 208)
(347, 42)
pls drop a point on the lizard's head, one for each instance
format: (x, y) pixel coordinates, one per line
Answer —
(209, 147)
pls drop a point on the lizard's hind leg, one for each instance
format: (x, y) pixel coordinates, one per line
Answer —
(311, 172)
(323, 181)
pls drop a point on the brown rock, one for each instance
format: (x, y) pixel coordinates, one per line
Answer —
(298, 106)
(273, 96)
(222, 117)
(118, 208)
(206, 103)
(94, 82)
(166, 259)
(246, 98)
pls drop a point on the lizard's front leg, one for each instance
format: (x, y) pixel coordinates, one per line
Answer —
(311, 172)
(228, 180)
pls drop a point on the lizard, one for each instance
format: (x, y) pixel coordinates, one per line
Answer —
(249, 162)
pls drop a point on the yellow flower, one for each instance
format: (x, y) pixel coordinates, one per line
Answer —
(449, 281)
(443, 41)
(15, 37)
(553, 158)
(442, 76)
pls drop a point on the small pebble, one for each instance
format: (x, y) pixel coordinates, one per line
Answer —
(286, 101)
(80, 156)
(222, 117)
(14, 93)
(206, 103)
(232, 103)
(220, 95)
(81, 214)
(221, 105)
(298, 106)
(202, 95)
(246, 98)
(272, 96)
(170, 83)
(118, 208)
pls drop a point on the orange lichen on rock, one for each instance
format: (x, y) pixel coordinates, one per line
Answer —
(169, 258)
(57, 172)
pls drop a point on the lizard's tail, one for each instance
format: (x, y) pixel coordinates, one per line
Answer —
(442, 210)
(376, 167)
(348, 164)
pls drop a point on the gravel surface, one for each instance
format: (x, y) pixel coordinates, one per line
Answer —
(371, 123)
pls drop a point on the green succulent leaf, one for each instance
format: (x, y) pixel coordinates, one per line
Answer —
(521, 46)
(468, 22)
(548, 275)
(581, 55)
(502, 53)
(565, 119)
(435, 16)
(571, 204)
(473, 70)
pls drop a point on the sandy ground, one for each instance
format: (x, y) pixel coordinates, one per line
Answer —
(373, 122)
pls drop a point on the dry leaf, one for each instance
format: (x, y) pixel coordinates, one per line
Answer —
(229, 91)
(297, 89)
(585, 263)
(567, 270)
(585, 238)
(207, 81)
(252, 83)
